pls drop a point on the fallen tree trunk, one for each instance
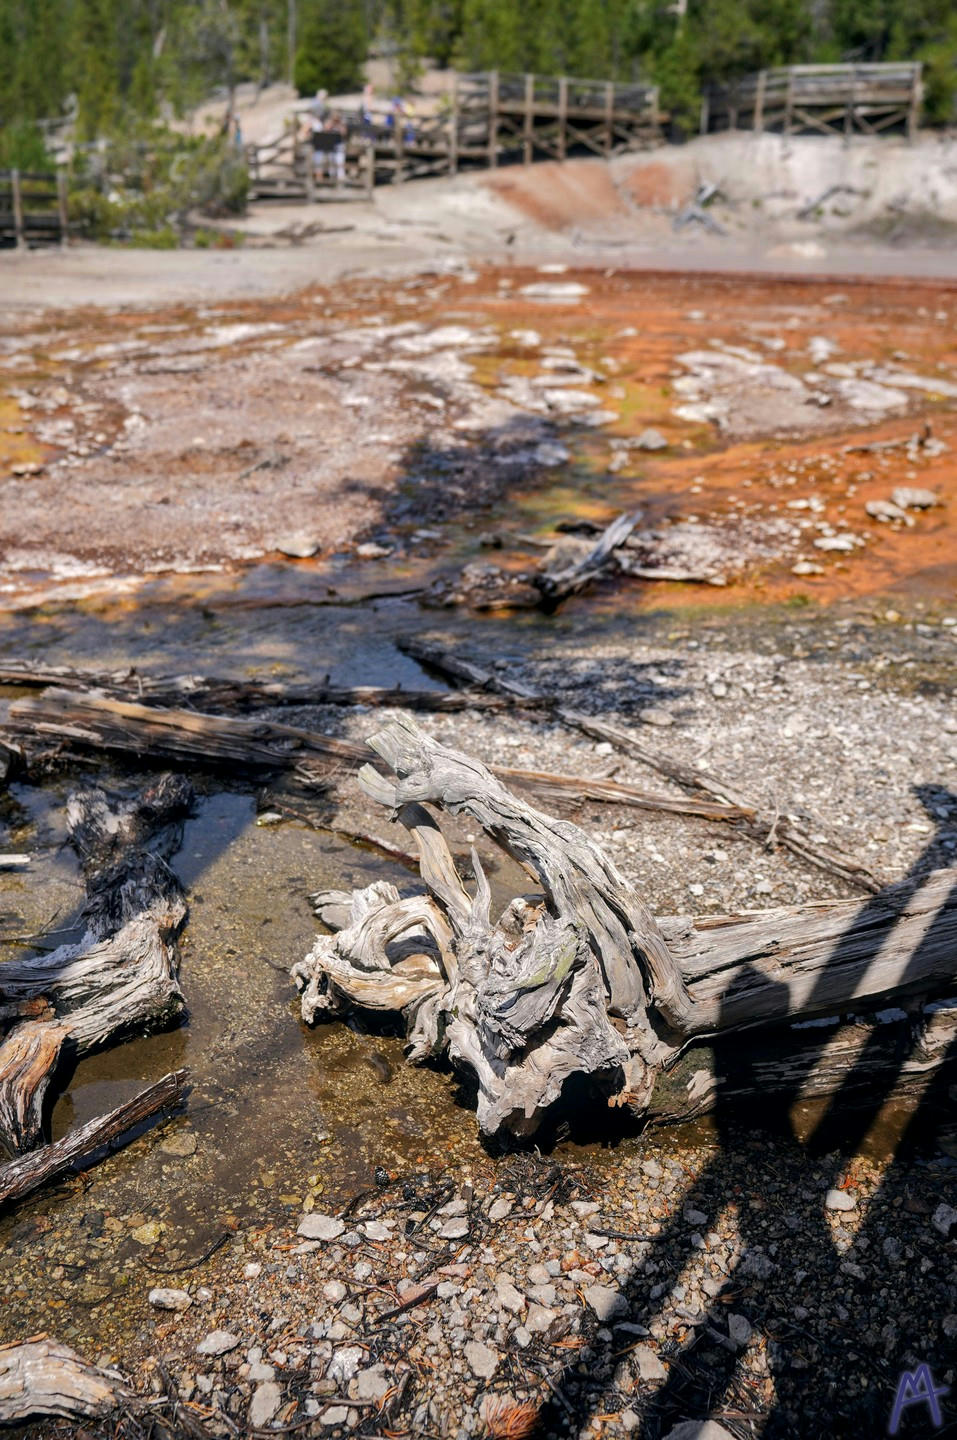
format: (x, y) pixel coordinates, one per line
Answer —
(121, 976)
(261, 746)
(20, 1177)
(216, 693)
(898, 1053)
(581, 979)
(44, 1378)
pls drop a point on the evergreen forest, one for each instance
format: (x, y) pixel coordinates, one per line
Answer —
(115, 64)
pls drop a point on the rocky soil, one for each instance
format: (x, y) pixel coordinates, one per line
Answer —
(381, 1273)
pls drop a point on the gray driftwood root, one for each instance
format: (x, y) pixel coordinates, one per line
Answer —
(44, 1378)
(580, 979)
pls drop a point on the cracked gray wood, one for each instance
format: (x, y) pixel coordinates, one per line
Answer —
(44, 1378)
(582, 979)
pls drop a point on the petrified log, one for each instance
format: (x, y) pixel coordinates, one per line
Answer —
(121, 976)
(43, 1377)
(581, 979)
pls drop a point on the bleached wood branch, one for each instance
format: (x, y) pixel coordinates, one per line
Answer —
(583, 980)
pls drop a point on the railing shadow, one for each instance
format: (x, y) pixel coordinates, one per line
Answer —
(835, 1310)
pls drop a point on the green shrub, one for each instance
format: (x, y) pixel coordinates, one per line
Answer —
(146, 183)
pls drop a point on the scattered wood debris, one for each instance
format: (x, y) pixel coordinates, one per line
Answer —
(91, 721)
(765, 829)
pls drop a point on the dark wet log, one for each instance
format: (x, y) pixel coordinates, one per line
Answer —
(556, 581)
(750, 817)
(189, 737)
(121, 977)
(45, 1378)
(22, 1176)
(234, 695)
(585, 981)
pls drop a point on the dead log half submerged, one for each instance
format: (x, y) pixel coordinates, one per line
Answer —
(581, 979)
(120, 977)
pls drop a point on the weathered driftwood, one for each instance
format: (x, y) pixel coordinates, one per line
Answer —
(28, 1059)
(581, 979)
(190, 737)
(120, 976)
(19, 1177)
(214, 693)
(44, 1378)
(178, 735)
(558, 579)
(750, 817)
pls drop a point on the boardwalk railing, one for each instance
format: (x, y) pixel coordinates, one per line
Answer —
(33, 208)
(484, 119)
(827, 99)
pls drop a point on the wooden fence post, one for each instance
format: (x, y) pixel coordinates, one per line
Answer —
(399, 137)
(17, 208)
(62, 208)
(916, 97)
(849, 108)
(492, 119)
(368, 161)
(759, 103)
(454, 126)
(527, 129)
(562, 116)
(309, 160)
(609, 117)
(705, 112)
(789, 102)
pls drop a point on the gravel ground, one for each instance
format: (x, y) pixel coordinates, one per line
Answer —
(775, 1271)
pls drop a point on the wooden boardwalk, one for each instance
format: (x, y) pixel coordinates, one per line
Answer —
(33, 209)
(485, 120)
(819, 99)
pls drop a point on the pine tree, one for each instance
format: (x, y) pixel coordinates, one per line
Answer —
(332, 49)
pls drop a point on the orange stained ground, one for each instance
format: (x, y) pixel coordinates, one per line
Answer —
(632, 326)
(909, 323)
